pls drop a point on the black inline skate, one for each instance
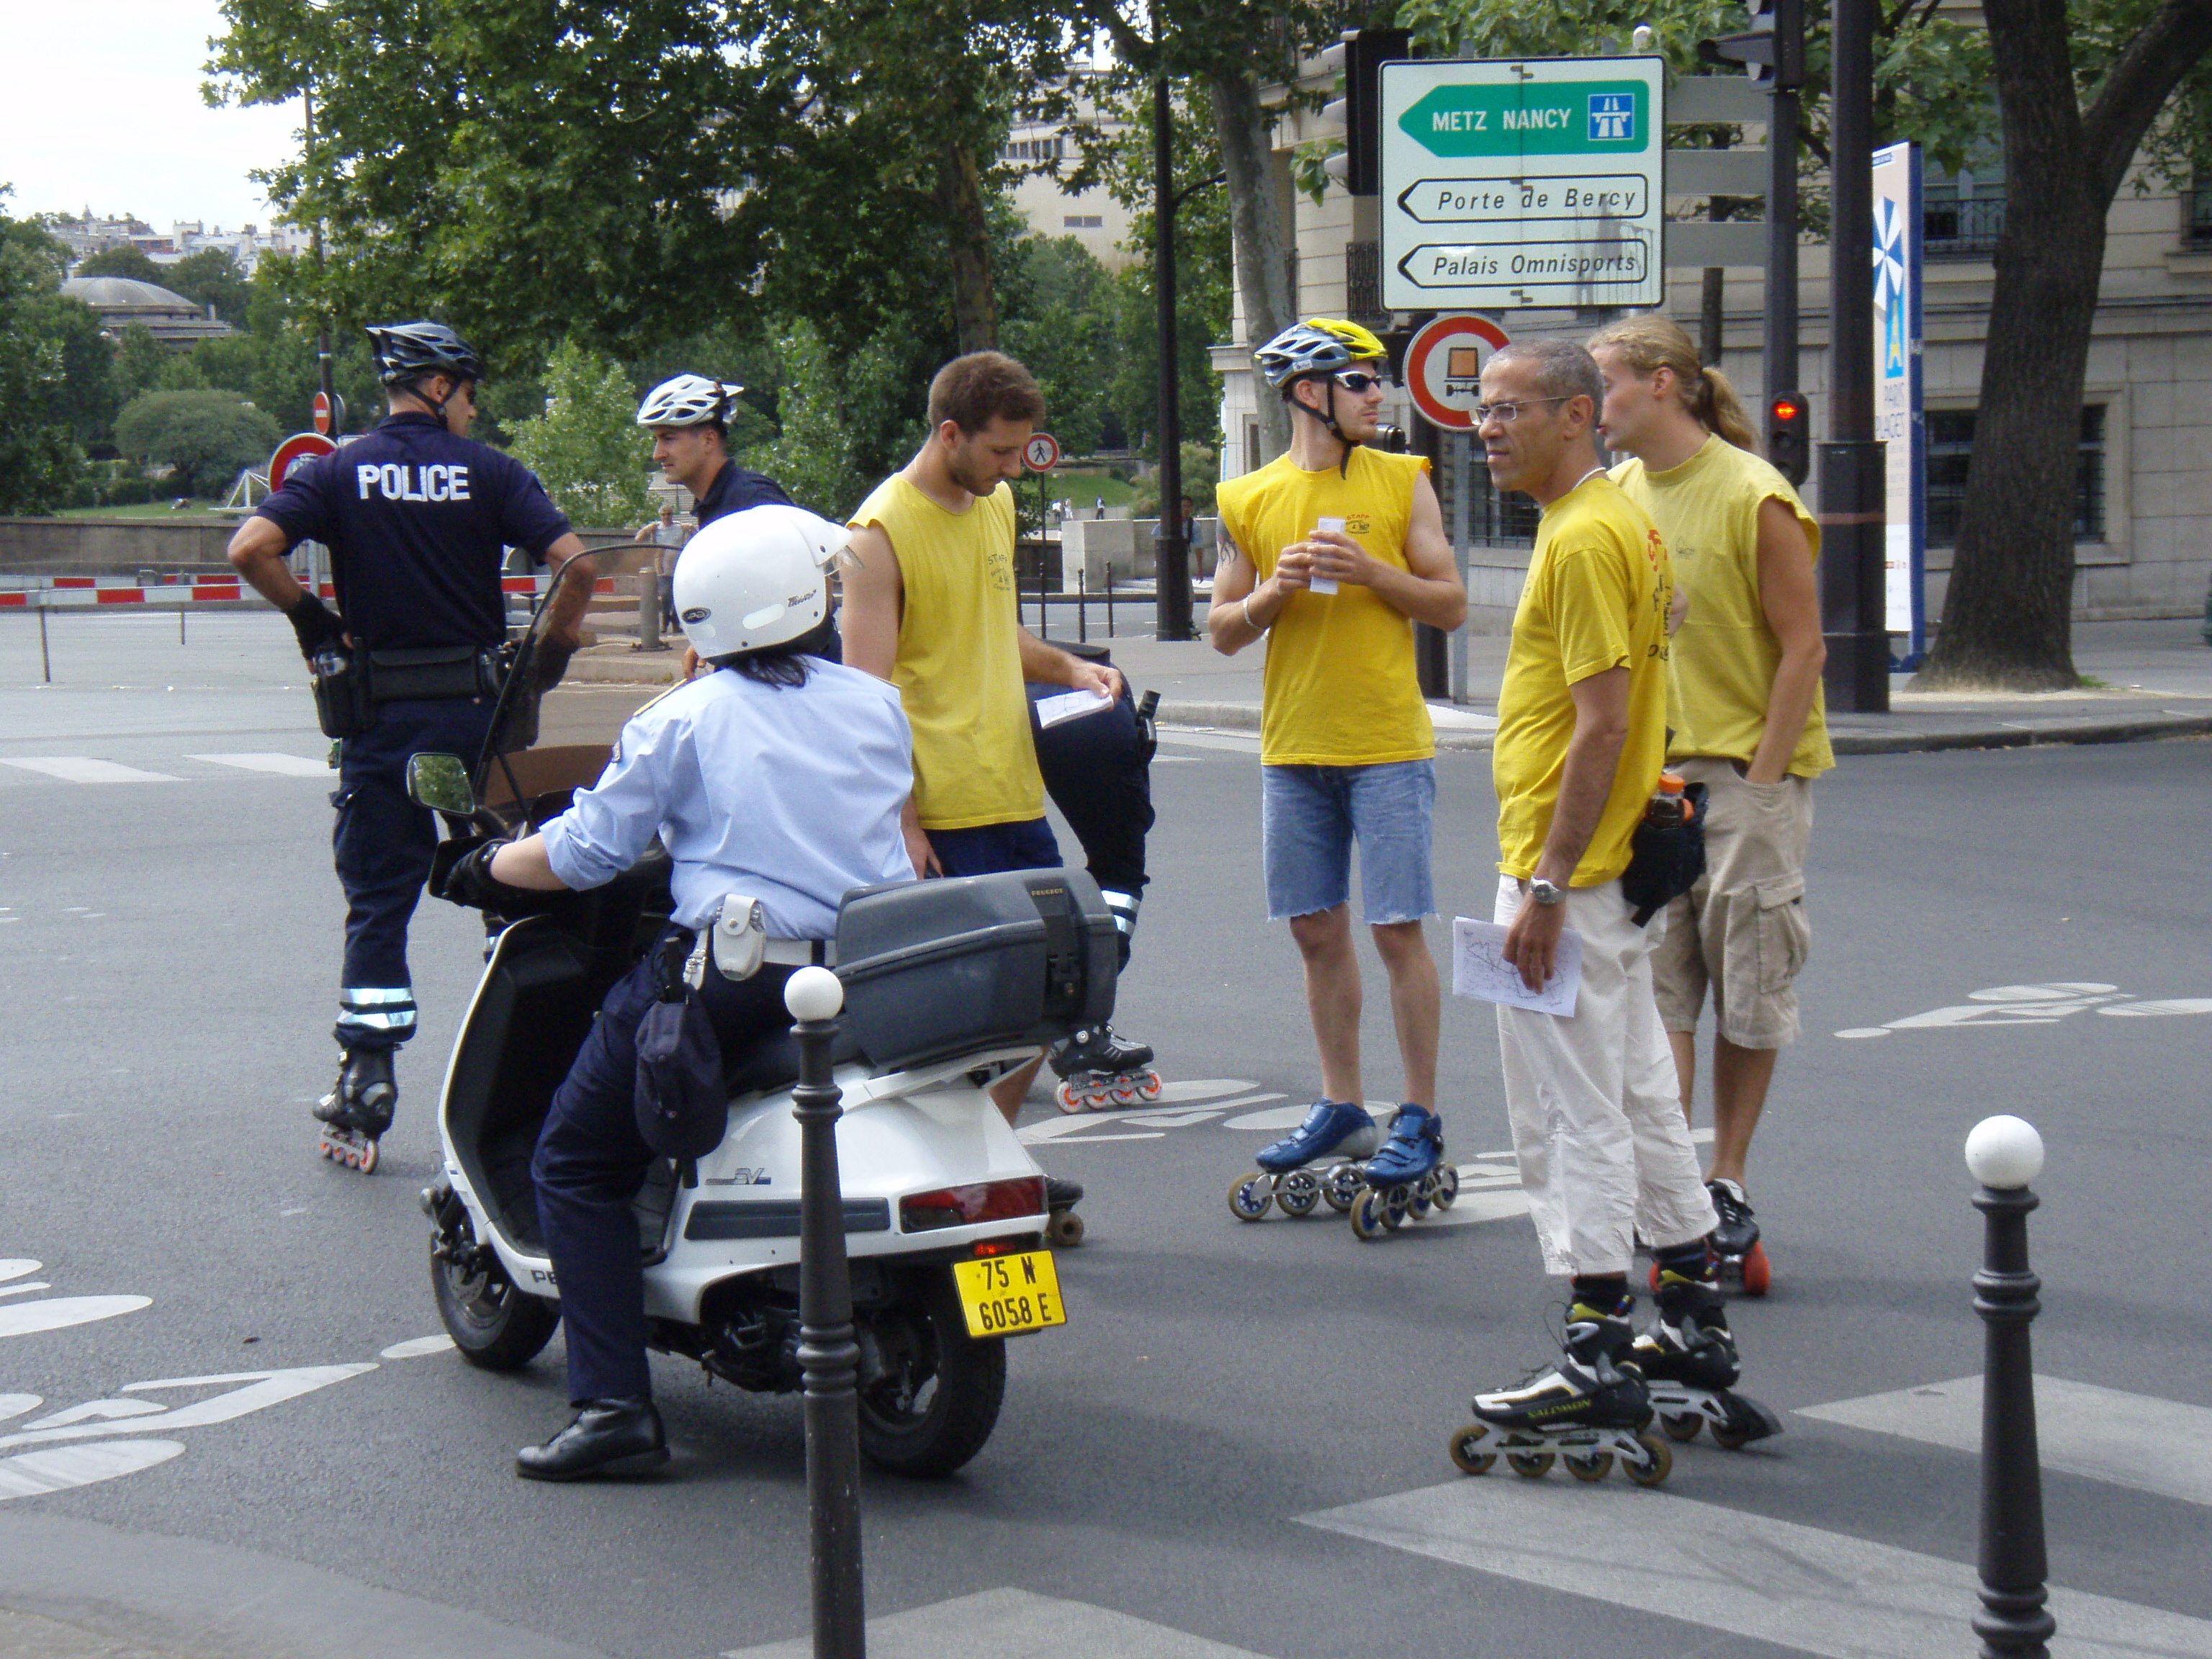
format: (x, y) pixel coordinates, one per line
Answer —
(358, 1109)
(1583, 1409)
(1741, 1257)
(1098, 1070)
(1689, 1362)
(1064, 1227)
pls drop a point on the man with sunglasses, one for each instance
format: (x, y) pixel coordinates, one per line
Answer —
(1333, 551)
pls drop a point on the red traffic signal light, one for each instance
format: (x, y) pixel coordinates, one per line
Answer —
(1788, 439)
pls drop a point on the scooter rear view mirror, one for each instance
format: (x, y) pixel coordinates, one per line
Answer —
(440, 782)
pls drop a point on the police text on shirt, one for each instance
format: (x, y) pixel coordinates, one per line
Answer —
(415, 484)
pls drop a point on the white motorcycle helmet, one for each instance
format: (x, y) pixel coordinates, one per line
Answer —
(756, 579)
(688, 400)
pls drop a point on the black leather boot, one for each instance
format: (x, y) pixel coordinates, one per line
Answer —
(609, 1436)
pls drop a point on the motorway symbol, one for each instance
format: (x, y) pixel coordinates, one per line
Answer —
(1444, 368)
(1041, 452)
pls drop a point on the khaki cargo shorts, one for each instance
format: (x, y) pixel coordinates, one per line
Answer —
(1741, 931)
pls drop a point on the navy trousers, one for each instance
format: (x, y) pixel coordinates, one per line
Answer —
(1098, 769)
(383, 843)
(591, 1161)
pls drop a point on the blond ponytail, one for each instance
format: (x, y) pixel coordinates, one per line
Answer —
(1651, 341)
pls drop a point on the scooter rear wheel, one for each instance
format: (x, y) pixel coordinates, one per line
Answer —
(929, 1392)
(495, 1326)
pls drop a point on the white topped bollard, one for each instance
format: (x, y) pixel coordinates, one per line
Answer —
(816, 993)
(2005, 1153)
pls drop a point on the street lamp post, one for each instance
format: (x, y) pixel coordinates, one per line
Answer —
(1170, 551)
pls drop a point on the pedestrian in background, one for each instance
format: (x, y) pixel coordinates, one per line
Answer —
(1747, 718)
(668, 536)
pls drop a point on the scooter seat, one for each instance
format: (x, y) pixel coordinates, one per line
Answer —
(773, 1062)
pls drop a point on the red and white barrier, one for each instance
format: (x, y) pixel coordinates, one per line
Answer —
(81, 592)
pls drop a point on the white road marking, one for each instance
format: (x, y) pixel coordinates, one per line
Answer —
(2055, 991)
(77, 768)
(23, 1318)
(288, 766)
(16, 1267)
(1471, 1209)
(416, 1346)
(96, 1411)
(34, 1474)
(1798, 1586)
(14, 1405)
(248, 1391)
(1211, 740)
(2171, 1005)
(2153, 1445)
(26, 1288)
(1012, 1623)
(1281, 1118)
(1168, 1120)
(1205, 1088)
(1078, 1141)
(1865, 1031)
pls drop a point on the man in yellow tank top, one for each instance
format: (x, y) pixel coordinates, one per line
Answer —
(1749, 723)
(1333, 552)
(1604, 1152)
(931, 608)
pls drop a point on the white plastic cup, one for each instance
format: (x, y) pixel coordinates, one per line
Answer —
(1325, 584)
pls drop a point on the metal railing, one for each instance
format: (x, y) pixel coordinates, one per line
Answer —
(1362, 282)
(1968, 229)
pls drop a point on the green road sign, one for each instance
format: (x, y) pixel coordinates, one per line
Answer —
(1564, 117)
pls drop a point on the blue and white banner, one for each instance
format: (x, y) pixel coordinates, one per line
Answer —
(1898, 420)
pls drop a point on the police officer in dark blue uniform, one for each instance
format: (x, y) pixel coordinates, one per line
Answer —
(418, 519)
(690, 419)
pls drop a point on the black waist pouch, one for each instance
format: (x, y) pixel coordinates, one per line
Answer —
(683, 1107)
(340, 693)
(1665, 861)
(430, 672)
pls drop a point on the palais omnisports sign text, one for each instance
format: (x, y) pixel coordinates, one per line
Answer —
(1522, 182)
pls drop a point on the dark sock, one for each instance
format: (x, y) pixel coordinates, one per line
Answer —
(1607, 1293)
(1689, 1260)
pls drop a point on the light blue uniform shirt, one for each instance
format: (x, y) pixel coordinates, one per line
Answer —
(790, 793)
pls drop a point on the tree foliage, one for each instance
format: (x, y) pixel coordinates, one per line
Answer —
(39, 453)
(212, 277)
(586, 448)
(843, 430)
(205, 438)
(122, 261)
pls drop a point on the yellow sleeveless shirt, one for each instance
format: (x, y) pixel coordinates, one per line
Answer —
(959, 668)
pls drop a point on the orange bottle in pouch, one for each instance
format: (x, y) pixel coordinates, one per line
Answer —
(1669, 807)
(1325, 584)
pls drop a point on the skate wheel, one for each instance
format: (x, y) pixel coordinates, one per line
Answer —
(1727, 1437)
(1395, 1202)
(1065, 1230)
(1593, 1465)
(1685, 1425)
(1467, 1450)
(1123, 1093)
(1369, 1219)
(1298, 1193)
(1249, 1197)
(1748, 1420)
(367, 1163)
(1758, 1272)
(1422, 1198)
(1531, 1466)
(1660, 1464)
(1149, 1085)
(1342, 1187)
(1067, 1098)
(1446, 1186)
(1655, 1278)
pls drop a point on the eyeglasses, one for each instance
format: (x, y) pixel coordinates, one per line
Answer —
(1356, 383)
(1506, 413)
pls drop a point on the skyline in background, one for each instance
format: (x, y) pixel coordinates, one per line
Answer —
(114, 122)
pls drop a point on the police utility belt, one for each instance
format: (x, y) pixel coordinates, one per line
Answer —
(736, 938)
(349, 685)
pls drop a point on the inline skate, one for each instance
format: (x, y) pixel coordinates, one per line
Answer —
(1689, 1364)
(1741, 1257)
(1408, 1177)
(1584, 1409)
(358, 1109)
(1318, 1162)
(1063, 1228)
(1098, 1070)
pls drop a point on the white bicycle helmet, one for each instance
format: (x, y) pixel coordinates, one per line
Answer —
(688, 400)
(756, 579)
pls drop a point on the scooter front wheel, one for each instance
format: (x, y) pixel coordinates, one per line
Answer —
(495, 1326)
(929, 1392)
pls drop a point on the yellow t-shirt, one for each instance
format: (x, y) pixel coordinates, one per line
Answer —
(1725, 653)
(1596, 597)
(959, 669)
(1339, 687)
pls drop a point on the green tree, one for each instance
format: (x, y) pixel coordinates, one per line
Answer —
(124, 261)
(586, 448)
(1201, 473)
(39, 455)
(206, 438)
(139, 358)
(843, 429)
(212, 277)
(1061, 322)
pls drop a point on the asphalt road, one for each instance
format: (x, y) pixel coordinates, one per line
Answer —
(1237, 1443)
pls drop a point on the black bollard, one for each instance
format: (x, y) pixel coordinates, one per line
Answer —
(829, 1356)
(2004, 1155)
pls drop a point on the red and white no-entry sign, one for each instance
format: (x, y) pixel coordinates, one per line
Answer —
(1444, 368)
(1041, 452)
(322, 408)
(300, 447)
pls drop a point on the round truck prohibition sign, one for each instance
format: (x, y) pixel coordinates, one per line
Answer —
(1444, 368)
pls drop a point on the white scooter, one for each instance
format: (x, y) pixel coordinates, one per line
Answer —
(948, 985)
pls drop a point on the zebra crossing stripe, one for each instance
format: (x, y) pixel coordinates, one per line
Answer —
(77, 768)
(287, 766)
(1012, 1623)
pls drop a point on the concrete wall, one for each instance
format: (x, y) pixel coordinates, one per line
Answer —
(1115, 550)
(111, 547)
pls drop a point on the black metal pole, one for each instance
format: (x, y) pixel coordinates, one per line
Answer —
(1780, 345)
(828, 1357)
(1170, 554)
(2014, 1622)
(323, 338)
(1851, 518)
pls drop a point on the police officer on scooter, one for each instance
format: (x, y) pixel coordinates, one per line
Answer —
(418, 519)
(782, 777)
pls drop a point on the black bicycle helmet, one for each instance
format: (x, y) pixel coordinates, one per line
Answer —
(404, 351)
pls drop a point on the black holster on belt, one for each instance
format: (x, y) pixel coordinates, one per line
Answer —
(341, 692)
(1665, 861)
(427, 672)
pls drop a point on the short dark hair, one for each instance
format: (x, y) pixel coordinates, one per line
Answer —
(789, 664)
(1564, 368)
(983, 387)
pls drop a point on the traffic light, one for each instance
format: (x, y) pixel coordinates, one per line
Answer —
(1772, 51)
(1788, 440)
(1358, 57)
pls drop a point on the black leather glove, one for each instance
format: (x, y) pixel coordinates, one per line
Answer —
(548, 663)
(469, 883)
(316, 625)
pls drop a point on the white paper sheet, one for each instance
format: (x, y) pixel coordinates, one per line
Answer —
(1481, 971)
(1071, 705)
(1325, 584)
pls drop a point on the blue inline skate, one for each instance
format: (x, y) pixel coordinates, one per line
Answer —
(1408, 1177)
(1320, 1161)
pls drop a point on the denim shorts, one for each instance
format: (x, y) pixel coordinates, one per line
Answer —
(1309, 817)
(987, 848)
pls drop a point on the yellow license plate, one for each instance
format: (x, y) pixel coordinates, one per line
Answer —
(1007, 1295)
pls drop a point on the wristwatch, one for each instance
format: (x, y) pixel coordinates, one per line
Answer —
(1547, 893)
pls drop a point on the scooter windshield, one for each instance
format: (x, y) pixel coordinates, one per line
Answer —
(549, 738)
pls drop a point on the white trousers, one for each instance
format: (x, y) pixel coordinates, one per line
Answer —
(1604, 1149)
